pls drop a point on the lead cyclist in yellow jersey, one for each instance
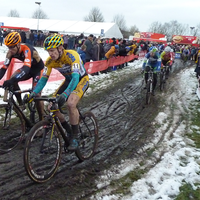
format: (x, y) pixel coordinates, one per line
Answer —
(70, 65)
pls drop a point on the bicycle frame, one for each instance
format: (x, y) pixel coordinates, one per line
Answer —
(52, 116)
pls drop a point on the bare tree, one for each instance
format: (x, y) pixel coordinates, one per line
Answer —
(39, 14)
(13, 13)
(94, 16)
(133, 29)
(169, 28)
(120, 21)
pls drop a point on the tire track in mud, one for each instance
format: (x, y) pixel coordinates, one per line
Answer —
(124, 128)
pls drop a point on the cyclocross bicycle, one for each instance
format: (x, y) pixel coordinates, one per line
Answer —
(47, 139)
(149, 86)
(14, 122)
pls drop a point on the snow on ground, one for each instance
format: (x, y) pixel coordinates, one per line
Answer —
(178, 165)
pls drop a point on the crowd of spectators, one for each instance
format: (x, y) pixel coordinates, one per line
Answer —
(93, 48)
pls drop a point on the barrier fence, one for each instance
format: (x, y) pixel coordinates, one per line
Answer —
(91, 67)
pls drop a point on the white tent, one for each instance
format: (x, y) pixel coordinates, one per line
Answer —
(64, 26)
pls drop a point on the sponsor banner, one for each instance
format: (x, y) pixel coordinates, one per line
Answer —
(149, 36)
(180, 39)
(178, 55)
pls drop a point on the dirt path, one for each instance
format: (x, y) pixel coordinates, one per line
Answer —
(124, 129)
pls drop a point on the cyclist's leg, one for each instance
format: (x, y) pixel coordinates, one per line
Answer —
(72, 102)
(16, 86)
(154, 80)
(61, 117)
(145, 78)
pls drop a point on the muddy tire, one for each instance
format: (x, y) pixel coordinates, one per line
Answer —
(42, 152)
(88, 136)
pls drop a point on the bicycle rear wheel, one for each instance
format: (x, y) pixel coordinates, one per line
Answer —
(42, 152)
(148, 93)
(12, 128)
(88, 136)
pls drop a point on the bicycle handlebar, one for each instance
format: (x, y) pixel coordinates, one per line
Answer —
(45, 98)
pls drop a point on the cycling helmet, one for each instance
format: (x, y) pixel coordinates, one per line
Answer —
(167, 49)
(53, 41)
(153, 49)
(12, 39)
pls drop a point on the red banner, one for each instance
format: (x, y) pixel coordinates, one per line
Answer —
(180, 39)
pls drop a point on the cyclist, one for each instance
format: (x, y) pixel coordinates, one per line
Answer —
(166, 59)
(32, 66)
(185, 54)
(70, 65)
(151, 59)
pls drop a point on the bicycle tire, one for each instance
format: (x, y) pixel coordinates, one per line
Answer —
(148, 93)
(88, 140)
(42, 152)
(11, 135)
(162, 81)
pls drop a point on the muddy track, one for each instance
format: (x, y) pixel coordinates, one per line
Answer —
(124, 128)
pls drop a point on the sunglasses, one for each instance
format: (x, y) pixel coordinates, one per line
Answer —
(11, 47)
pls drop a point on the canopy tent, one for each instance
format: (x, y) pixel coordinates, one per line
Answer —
(107, 30)
(15, 28)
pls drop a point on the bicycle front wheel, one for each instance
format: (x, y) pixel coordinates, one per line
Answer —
(42, 152)
(88, 136)
(12, 128)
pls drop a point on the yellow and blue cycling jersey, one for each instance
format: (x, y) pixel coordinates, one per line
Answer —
(69, 65)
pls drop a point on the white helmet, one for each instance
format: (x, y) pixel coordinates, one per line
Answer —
(167, 49)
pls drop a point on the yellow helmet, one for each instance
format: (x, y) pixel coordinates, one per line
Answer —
(53, 41)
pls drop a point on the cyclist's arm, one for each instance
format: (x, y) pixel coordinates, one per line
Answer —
(42, 82)
(74, 81)
(145, 60)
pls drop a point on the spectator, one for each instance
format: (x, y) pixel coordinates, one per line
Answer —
(89, 48)
(80, 41)
(31, 38)
(35, 39)
(122, 51)
(65, 38)
(98, 51)
(23, 36)
(82, 53)
(71, 42)
(28, 37)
